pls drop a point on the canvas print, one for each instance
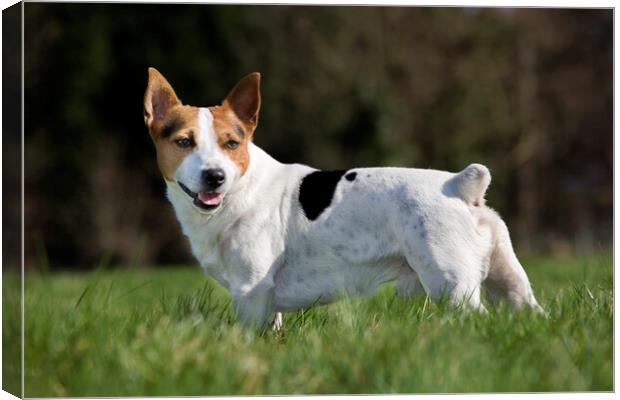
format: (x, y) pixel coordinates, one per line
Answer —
(300, 200)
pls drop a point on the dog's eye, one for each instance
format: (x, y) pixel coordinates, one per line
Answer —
(231, 144)
(183, 143)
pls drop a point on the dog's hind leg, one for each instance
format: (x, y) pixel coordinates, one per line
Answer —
(447, 269)
(506, 277)
(457, 290)
(448, 254)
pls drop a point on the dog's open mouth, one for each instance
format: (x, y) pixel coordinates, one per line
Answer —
(205, 200)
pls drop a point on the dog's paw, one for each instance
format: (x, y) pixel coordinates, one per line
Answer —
(277, 322)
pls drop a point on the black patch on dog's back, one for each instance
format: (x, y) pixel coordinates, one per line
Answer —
(317, 190)
(351, 176)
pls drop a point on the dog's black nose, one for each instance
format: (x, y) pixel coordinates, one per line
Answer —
(213, 177)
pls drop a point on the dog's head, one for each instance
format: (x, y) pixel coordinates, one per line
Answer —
(202, 150)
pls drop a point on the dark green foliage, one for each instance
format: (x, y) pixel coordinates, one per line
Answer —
(527, 92)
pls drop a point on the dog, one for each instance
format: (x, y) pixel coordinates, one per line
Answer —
(282, 237)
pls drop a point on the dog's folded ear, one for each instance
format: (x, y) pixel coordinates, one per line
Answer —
(158, 99)
(244, 99)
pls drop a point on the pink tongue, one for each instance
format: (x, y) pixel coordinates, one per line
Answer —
(210, 199)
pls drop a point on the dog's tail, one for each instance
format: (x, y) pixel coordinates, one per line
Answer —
(471, 184)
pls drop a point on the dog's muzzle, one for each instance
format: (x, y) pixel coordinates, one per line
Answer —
(204, 200)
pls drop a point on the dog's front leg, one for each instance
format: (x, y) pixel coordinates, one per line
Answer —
(253, 308)
(251, 266)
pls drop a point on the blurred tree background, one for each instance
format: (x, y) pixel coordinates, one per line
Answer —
(528, 92)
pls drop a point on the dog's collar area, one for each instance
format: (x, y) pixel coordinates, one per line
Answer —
(196, 200)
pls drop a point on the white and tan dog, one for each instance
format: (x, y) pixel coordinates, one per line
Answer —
(281, 237)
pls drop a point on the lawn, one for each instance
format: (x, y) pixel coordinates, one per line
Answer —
(128, 332)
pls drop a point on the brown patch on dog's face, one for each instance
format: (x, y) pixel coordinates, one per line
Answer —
(236, 119)
(172, 125)
(232, 136)
(175, 138)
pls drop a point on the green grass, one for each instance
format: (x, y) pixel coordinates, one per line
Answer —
(171, 332)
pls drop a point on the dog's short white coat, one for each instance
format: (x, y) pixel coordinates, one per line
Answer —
(427, 230)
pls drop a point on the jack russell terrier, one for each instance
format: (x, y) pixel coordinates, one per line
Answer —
(281, 237)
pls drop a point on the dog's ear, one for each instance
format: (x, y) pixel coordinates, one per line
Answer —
(159, 98)
(244, 100)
